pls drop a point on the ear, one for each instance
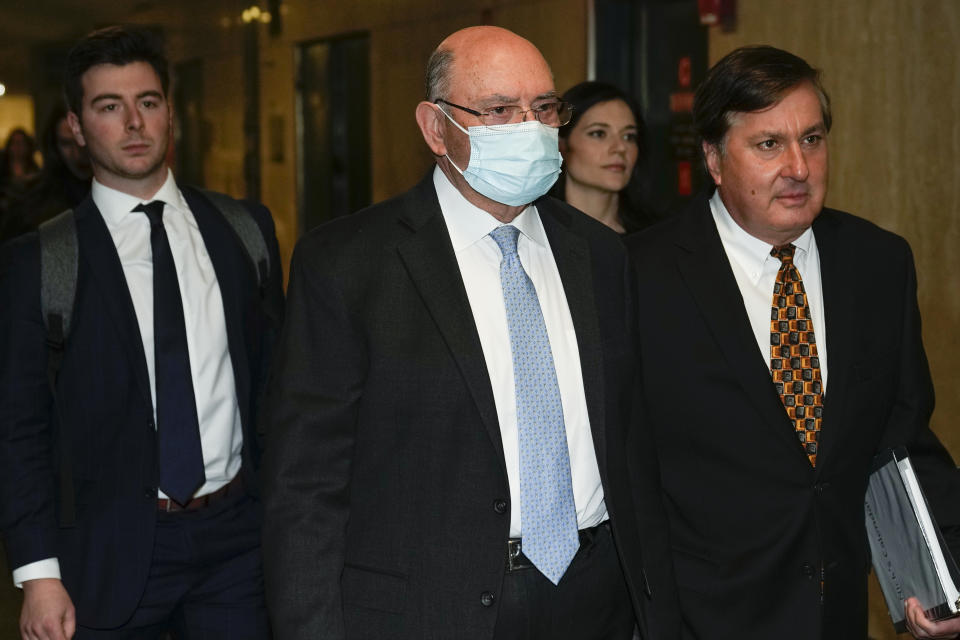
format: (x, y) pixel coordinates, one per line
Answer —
(562, 142)
(74, 123)
(432, 126)
(711, 154)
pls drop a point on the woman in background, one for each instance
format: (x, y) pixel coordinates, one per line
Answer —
(17, 172)
(601, 146)
(19, 165)
(62, 184)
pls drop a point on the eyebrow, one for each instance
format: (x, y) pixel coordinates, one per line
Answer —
(499, 98)
(115, 96)
(819, 127)
(609, 126)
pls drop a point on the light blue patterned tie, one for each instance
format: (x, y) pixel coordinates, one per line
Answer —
(549, 517)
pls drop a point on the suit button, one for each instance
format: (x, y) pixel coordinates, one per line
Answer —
(500, 506)
(486, 599)
(151, 425)
(821, 487)
(808, 571)
(150, 492)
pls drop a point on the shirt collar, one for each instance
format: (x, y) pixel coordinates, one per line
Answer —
(115, 205)
(468, 224)
(748, 251)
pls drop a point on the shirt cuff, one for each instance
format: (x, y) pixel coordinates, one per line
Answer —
(46, 568)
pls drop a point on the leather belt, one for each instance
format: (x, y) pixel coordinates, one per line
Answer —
(516, 561)
(232, 488)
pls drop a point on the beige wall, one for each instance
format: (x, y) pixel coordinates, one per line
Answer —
(892, 69)
(16, 111)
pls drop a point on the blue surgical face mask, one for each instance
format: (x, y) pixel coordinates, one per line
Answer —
(513, 164)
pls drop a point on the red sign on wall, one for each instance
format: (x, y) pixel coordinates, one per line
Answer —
(684, 178)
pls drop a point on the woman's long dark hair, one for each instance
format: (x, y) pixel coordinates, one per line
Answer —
(634, 214)
(6, 170)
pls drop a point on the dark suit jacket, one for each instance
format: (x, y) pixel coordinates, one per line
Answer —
(386, 495)
(751, 522)
(103, 397)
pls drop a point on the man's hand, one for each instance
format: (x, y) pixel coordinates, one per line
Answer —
(920, 627)
(48, 612)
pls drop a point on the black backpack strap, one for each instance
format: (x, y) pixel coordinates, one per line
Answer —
(247, 230)
(59, 264)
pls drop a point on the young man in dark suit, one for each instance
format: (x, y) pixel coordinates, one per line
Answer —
(452, 398)
(749, 299)
(156, 397)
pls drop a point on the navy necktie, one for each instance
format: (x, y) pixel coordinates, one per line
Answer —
(178, 429)
(547, 508)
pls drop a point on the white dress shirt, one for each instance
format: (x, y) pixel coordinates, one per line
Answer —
(479, 259)
(221, 434)
(756, 272)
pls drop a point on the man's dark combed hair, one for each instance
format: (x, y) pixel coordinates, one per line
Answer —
(118, 45)
(750, 79)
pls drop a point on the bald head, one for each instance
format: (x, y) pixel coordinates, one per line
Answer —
(471, 53)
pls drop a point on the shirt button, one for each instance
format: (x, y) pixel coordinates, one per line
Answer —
(486, 598)
(500, 506)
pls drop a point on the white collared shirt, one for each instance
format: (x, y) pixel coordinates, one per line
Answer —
(756, 271)
(221, 434)
(479, 259)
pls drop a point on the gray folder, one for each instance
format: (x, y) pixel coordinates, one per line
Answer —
(908, 553)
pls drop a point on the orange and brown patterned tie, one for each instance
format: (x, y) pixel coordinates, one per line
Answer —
(794, 364)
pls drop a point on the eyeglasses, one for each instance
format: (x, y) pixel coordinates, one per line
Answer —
(554, 113)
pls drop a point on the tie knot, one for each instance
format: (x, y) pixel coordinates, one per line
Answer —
(154, 211)
(506, 239)
(783, 254)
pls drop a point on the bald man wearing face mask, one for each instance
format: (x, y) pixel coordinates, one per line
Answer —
(452, 407)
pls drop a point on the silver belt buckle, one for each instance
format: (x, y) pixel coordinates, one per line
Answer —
(513, 556)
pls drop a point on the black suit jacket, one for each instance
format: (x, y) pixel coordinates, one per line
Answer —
(386, 495)
(751, 522)
(103, 397)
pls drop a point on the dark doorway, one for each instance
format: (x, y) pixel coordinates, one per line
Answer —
(190, 131)
(657, 49)
(333, 118)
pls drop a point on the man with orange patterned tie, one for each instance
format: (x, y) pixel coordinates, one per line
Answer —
(780, 351)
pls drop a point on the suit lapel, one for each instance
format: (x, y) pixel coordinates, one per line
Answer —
(572, 255)
(839, 309)
(429, 258)
(706, 271)
(229, 263)
(99, 253)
